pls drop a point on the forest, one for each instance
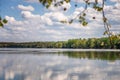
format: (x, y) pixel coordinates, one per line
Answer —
(90, 43)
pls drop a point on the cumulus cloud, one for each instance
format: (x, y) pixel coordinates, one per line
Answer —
(37, 26)
(11, 19)
(26, 8)
(60, 8)
(115, 0)
(32, 1)
(114, 21)
(36, 18)
(83, 1)
(97, 23)
(47, 26)
(28, 14)
(56, 16)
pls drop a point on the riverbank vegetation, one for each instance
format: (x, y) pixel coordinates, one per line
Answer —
(90, 43)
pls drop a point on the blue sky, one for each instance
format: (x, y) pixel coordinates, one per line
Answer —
(30, 21)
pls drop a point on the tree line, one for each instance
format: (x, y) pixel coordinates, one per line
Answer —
(90, 43)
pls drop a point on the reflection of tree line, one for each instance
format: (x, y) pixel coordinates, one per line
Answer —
(94, 55)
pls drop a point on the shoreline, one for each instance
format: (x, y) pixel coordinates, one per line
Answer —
(57, 50)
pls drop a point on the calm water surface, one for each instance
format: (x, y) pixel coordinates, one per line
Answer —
(59, 64)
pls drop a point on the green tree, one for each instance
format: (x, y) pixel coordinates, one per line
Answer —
(58, 45)
(82, 15)
(2, 22)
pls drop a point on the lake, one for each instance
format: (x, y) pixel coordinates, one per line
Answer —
(59, 64)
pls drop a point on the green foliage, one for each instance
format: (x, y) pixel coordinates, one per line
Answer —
(2, 22)
(67, 1)
(5, 21)
(106, 32)
(71, 21)
(0, 18)
(97, 8)
(84, 23)
(83, 20)
(63, 21)
(84, 14)
(96, 43)
(46, 3)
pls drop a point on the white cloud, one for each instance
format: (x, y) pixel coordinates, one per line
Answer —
(27, 14)
(11, 19)
(60, 8)
(117, 5)
(47, 27)
(37, 26)
(83, 1)
(115, 0)
(97, 23)
(36, 18)
(112, 13)
(56, 16)
(26, 8)
(32, 1)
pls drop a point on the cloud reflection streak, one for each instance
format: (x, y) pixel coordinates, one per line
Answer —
(56, 67)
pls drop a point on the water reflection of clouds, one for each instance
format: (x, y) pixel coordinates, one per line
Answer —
(54, 67)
